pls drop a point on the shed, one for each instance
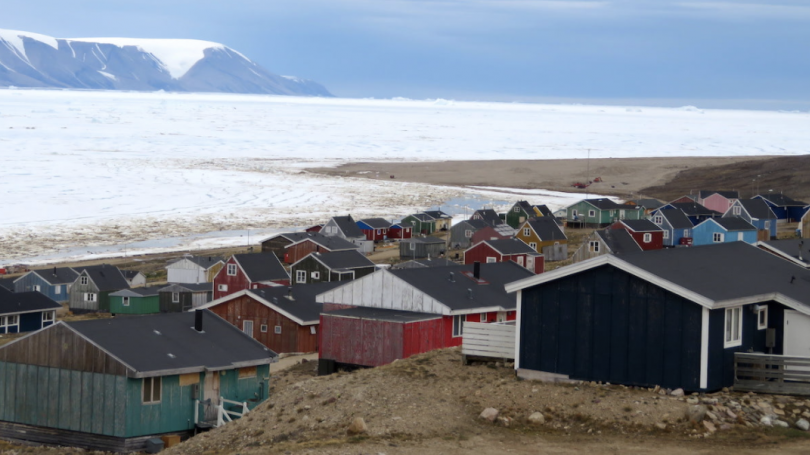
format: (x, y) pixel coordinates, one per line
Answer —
(277, 244)
(143, 300)
(178, 297)
(25, 311)
(54, 282)
(442, 219)
(421, 248)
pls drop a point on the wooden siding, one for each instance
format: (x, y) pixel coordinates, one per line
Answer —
(299, 251)
(27, 282)
(186, 271)
(489, 340)
(487, 233)
(235, 283)
(421, 250)
(400, 233)
(77, 294)
(137, 305)
(716, 202)
(515, 219)
(277, 246)
(293, 337)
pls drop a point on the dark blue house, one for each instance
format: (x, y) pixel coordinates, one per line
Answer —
(786, 208)
(25, 311)
(55, 282)
(672, 317)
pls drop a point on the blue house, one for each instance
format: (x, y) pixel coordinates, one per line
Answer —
(25, 311)
(55, 282)
(757, 212)
(676, 226)
(785, 208)
(694, 211)
(724, 230)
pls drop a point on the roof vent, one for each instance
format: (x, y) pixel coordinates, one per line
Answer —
(469, 292)
(171, 356)
(289, 293)
(451, 278)
(156, 332)
(793, 278)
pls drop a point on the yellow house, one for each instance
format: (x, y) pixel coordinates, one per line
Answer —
(545, 236)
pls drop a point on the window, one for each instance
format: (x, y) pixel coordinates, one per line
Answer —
(125, 301)
(574, 213)
(175, 297)
(468, 233)
(458, 325)
(313, 330)
(516, 209)
(736, 210)
(526, 231)
(621, 214)
(767, 224)
(647, 238)
(89, 297)
(231, 269)
(533, 246)
(222, 287)
(413, 246)
(83, 280)
(57, 289)
(658, 219)
(247, 327)
(48, 316)
(264, 328)
(37, 288)
(491, 259)
(686, 232)
(593, 246)
(277, 330)
(316, 275)
(717, 237)
(740, 236)
(762, 317)
(484, 317)
(733, 327)
(591, 213)
(9, 321)
(151, 390)
(666, 234)
(300, 276)
(520, 260)
(502, 316)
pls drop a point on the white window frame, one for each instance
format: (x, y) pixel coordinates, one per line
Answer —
(732, 333)
(593, 246)
(300, 276)
(516, 209)
(647, 237)
(458, 325)
(591, 213)
(622, 214)
(718, 237)
(175, 297)
(491, 259)
(768, 224)
(315, 275)
(686, 233)
(277, 330)
(483, 317)
(533, 245)
(762, 317)
(658, 219)
(231, 270)
(313, 330)
(222, 287)
(10, 321)
(125, 300)
(57, 289)
(150, 383)
(467, 233)
(37, 288)
(48, 316)
(89, 296)
(740, 236)
(527, 232)
(263, 328)
(666, 234)
(83, 280)
(736, 210)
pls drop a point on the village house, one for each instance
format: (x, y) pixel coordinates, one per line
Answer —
(441, 219)
(422, 223)
(786, 209)
(250, 271)
(489, 251)
(337, 266)
(694, 211)
(756, 212)
(647, 235)
(54, 282)
(277, 244)
(490, 216)
(375, 229)
(655, 319)
(522, 211)
(723, 230)
(112, 384)
(401, 230)
(676, 226)
(606, 241)
(316, 243)
(345, 227)
(142, 300)
(194, 269)
(462, 233)
(178, 297)
(544, 236)
(599, 212)
(92, 288)
(421, 248)
(719, 201)
(497, 232)
(25, 311)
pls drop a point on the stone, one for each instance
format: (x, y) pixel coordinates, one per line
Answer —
(677, 393)
(710, 401)
(765, 420)
(358, 426)
(709, 426)
(661, 426)
(725, 427)
(803, 424)
(731, 414)
(711, 415)
(537, 418)
(778, 412)
(806, 414)
(692, 401)
(505, 421)
(696, 412)
(780, 423)
(489, 414)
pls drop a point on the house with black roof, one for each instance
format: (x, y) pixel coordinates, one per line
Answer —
(647, 234)
(598, 212)
(490, 216)
(672, 318)
(785, 208)
(545, 236)
(676, 226)
(756, 212)
(92, 288)
(489, 251)
(112, 384)
(345, 227)
(421, 248)
(606, 241)
(250, 271)
(694, 211)
(462, 233)
(7, 283)
(277, 244)
(54, 282)
(26, 311)
(178, 297)
(337, 266)
(285, 320)
(422, 223)
(442, 219)
(375, 229)
(522, 211)
(401, 230)
(723, 230)
(194, 269)
(719, 201)
(316, 243)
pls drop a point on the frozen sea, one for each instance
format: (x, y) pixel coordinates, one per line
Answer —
(84, 172)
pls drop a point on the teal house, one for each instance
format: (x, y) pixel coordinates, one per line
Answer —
(112, 384)
(599, 212)
(136, 301)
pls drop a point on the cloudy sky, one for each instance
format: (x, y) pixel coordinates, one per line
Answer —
(746, 54)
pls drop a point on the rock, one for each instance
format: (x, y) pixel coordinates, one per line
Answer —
(803, 424)
(725, 389)
(358, 426)
(677, 393)
(489, 414)
(731, 414)
(656, 389)
(692, 401)
(661, 426)
(710, 401)
(780, 423)
(806, 415)
(725, 427)
(696, 412)
(709, 426)
(537, 418)
(765, 420)
(778, 412)
(505, 421)
(711, 415)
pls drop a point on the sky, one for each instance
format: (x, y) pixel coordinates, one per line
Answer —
(710, 54)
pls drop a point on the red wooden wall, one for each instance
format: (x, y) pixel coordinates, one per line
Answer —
(301, 250)
(235, 283)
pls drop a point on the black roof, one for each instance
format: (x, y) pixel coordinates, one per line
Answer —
(641, 225)
(303, 305)
(676, 218)
(781, 200)
(343, 260)
(380, 314)
(168, 342)
(106, 277)
(422, 217)
(146, 291)
(348, 226)
(607, 204)
(206, 262)
(436, 214)
(291, 236)
(428, 239)
(734, 224)
(791, 248)
(261, 267)
(488, 215)
(526, 207)
(618, 241)
(421, 263)
(57, 275)
(376, 223)
(694, 209)
(331, 243)
(186, 287)
(547, 228)
(24, 302)
(7, 283)
(435, 282)
(510, 246)
(475, 224)
(650, 204)
(703, 194)
(758, 209)
(544, 210)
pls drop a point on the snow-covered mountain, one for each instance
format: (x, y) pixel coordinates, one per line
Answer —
(34, 60)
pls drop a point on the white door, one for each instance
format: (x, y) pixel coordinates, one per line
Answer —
(211, 392)
(247, 327)
(520, 260)
(797, 334)
(530, 263)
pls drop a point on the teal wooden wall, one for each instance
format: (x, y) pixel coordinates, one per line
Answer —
(137, 305)
(64, 399)
(233, 388)
(175, 412)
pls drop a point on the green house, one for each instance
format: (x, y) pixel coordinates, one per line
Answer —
(422, 223)
(111, 384)
(599, 212)
(136, 301)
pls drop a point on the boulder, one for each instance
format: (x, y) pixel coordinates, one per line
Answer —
(765, 420)
(696, 413)
(489, 414)
(358, 426)
(677, 393)
(661, 426)
(537, 418)
(803, 424)
(780, 423)
(709, 426)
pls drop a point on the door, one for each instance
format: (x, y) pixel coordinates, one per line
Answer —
(797, 334)
(520, 261)
(530, 263)
(211, 395)
(247, 327)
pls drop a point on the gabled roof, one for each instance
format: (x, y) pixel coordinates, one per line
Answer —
(676, 218)
(781, 200)
(106, 277)
(423, 217)
(713, 276)
(148, 291)
(7, 283)
(376, 223)
(402, 224)
(703, 194)
(474, 224)
(757, 208)
(130, 274)
(546, 228)
(436, 214)
(56, 275)
(618, 241)
(154, 344)
(650, 204)
(605, 204)
(526, 207)
(544, 210)
(640, 225)
(348, 226)
(421, 263)
(206, 262)
(794, 250)
(187, 287)
(509, 246)
(693, 209)
(331, 243)
(291, 236)
(25, 302)
(733, 224)
(341, 260)
(261, 267)
(490, 216)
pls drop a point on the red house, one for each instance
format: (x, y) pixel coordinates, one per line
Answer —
(283, 319)
(393, 314)
(375, 229)
(315, 243)
(644, 232)
(498, 232)
(515, 250)
(402, 230)
(249, 271)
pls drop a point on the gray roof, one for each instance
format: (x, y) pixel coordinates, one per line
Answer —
(206, 262)
(726, 194)
(434, 281)
(7, 283)
(424, 217)
(650, 204)
(474, 224)
(758, 209)
(526, 207)
(676, 218)
(510, 246)
(421, 263)
(790, 248)
(437, 214)
(694, 209)
(147, 291)
(146, 342)
(23, 302)
(641, 225)
(428, 239)
(57, 275)
(607, 204)
(291, 236)
(781, 200)
(331, 243)
(303, 306)
(348, 226)
(261, 267)
(734, 224)
(380, 314)
(376, 223)
(106, 277)
(544, 210)
(187, 287)
(490, 216)
(341, 260)
(618, 241)
(547, 228)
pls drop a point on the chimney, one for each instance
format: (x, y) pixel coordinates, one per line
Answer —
(477, 270)
(198, 320)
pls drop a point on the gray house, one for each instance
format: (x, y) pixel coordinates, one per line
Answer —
(91, 290)
(346, 228)
(421, 248)
(462, 233)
